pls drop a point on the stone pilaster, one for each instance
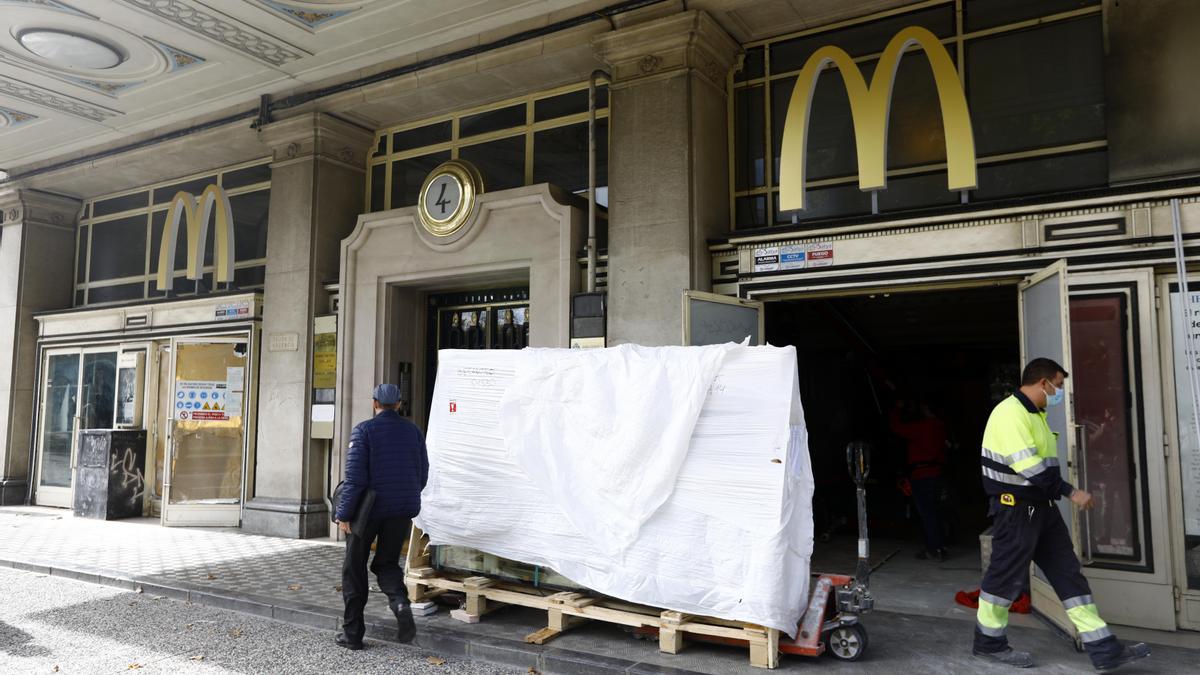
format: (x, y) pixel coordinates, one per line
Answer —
(37, 265)
(668, 170)
(316, 196)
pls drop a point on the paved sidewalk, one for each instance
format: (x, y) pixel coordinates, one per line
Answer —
(298, 582)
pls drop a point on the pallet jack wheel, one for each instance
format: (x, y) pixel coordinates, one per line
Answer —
(847, 643)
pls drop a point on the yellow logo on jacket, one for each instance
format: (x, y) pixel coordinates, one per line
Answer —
(869, 107)
(196, 212)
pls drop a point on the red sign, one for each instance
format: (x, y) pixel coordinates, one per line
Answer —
(218, 415)
(821, 255)
(453, 406)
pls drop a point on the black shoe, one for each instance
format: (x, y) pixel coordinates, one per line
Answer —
(1009, 657)
(940, 555)
(404, 622)
(343, 641)
(1128, 654)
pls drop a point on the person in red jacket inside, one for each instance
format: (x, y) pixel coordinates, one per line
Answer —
(924, 436)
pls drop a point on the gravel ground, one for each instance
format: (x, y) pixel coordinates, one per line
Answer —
(57, 625)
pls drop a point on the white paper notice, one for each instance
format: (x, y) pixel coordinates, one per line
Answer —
(233, 404)
(235, 378)
(1189, 444)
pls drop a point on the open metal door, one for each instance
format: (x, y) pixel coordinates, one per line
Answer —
(1045, 332)
(203, 481)
(711, 319)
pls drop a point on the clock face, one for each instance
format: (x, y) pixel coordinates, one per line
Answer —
(447, 198)
(444, 197)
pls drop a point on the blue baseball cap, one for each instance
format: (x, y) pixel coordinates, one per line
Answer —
(387, 394)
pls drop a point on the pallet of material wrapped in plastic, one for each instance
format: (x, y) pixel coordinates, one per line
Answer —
(674, 477)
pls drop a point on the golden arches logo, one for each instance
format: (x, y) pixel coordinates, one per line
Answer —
(869, 108)
(196, 212)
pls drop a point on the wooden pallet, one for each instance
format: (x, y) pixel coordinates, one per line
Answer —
(567, 610)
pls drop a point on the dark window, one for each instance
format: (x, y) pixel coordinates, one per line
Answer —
(430, 134)
(560, 156)
(502, 162)
(751, 211)
(117, 293)
(79, 298)
(408, 175)
(1042, 175)
(915, 133)
(118, 248)
(107, 207)
(157, 219)
(378, 174)
(250, 212)
(979, 14)
(1038, 87)
(81, 255)
(863, 39)
(251, 175)
(749, 141)
(491, 120)
(829, 202)
(915, 192)
(831, 146)
(570, 103)
(250, 277)
(752, 66)
(165, 194)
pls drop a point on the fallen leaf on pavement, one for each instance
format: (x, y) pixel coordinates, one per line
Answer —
(189, 626)
(135, 666)
(198, 657)
(54, 669)
(533, 671)
(138, 590)
(236, 632)
(294, 587)
(338, 588)
(435, 661)
(211, 576)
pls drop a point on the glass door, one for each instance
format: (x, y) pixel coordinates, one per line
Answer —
(206, 449)
(1045, 332)
(1119, 420)
(78, 392)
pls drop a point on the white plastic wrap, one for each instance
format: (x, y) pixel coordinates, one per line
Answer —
(676, 477)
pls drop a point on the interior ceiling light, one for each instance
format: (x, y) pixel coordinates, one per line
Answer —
(69, 49)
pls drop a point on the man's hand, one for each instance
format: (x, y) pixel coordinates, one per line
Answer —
(345, 527)
(1082, 499)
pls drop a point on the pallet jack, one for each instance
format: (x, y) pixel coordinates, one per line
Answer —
(835, 627)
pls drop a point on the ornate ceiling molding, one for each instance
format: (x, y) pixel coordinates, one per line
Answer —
(48, 99)
(12, 118)
(49, 4)
(214, 26)
(306, 15)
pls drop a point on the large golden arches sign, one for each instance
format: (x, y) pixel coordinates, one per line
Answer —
(869, 108)
(196, 212)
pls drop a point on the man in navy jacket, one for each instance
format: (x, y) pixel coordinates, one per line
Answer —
(387, 455)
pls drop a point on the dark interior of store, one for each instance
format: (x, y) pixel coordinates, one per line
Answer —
(860, 358)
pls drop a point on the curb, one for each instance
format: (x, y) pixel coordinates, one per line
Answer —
(445, 642)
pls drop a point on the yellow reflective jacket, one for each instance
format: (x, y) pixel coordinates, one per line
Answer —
(1020, 453)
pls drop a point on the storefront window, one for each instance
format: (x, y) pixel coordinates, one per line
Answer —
(1035, 94)
(1187, 386)
(58, 425)
(120, 237)
(548, 129)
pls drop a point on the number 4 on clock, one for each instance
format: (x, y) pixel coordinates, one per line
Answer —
(441, 200)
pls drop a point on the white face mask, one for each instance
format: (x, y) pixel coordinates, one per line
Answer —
(1056, 397)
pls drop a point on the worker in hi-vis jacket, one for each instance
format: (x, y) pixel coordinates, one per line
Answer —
(1022, 478)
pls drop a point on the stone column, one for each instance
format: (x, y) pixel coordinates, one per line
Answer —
(37, 271)
(668, 169)
(316, 196)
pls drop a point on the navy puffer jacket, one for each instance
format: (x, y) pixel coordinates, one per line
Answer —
(386, 454)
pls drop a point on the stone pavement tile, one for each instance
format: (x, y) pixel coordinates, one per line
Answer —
(566, 662)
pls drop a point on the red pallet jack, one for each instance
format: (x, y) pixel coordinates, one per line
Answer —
(830, 627)
(835, 628)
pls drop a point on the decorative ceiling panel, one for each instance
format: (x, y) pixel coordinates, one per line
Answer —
(213, 25)
(13, 118)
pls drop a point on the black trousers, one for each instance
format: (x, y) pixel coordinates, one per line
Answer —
(925, 493)
(1035, 531)
(389, 535)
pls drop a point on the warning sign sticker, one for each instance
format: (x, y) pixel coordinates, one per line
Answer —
(201, 400)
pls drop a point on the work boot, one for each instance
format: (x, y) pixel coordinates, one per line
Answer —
(1128, 654)
(347, 643)
(404, 622)
(1009, 657)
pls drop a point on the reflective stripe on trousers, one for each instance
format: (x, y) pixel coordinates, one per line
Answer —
(1083, 613)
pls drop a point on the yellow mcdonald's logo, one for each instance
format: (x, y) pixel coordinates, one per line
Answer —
(869, 107)
(196, 212)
